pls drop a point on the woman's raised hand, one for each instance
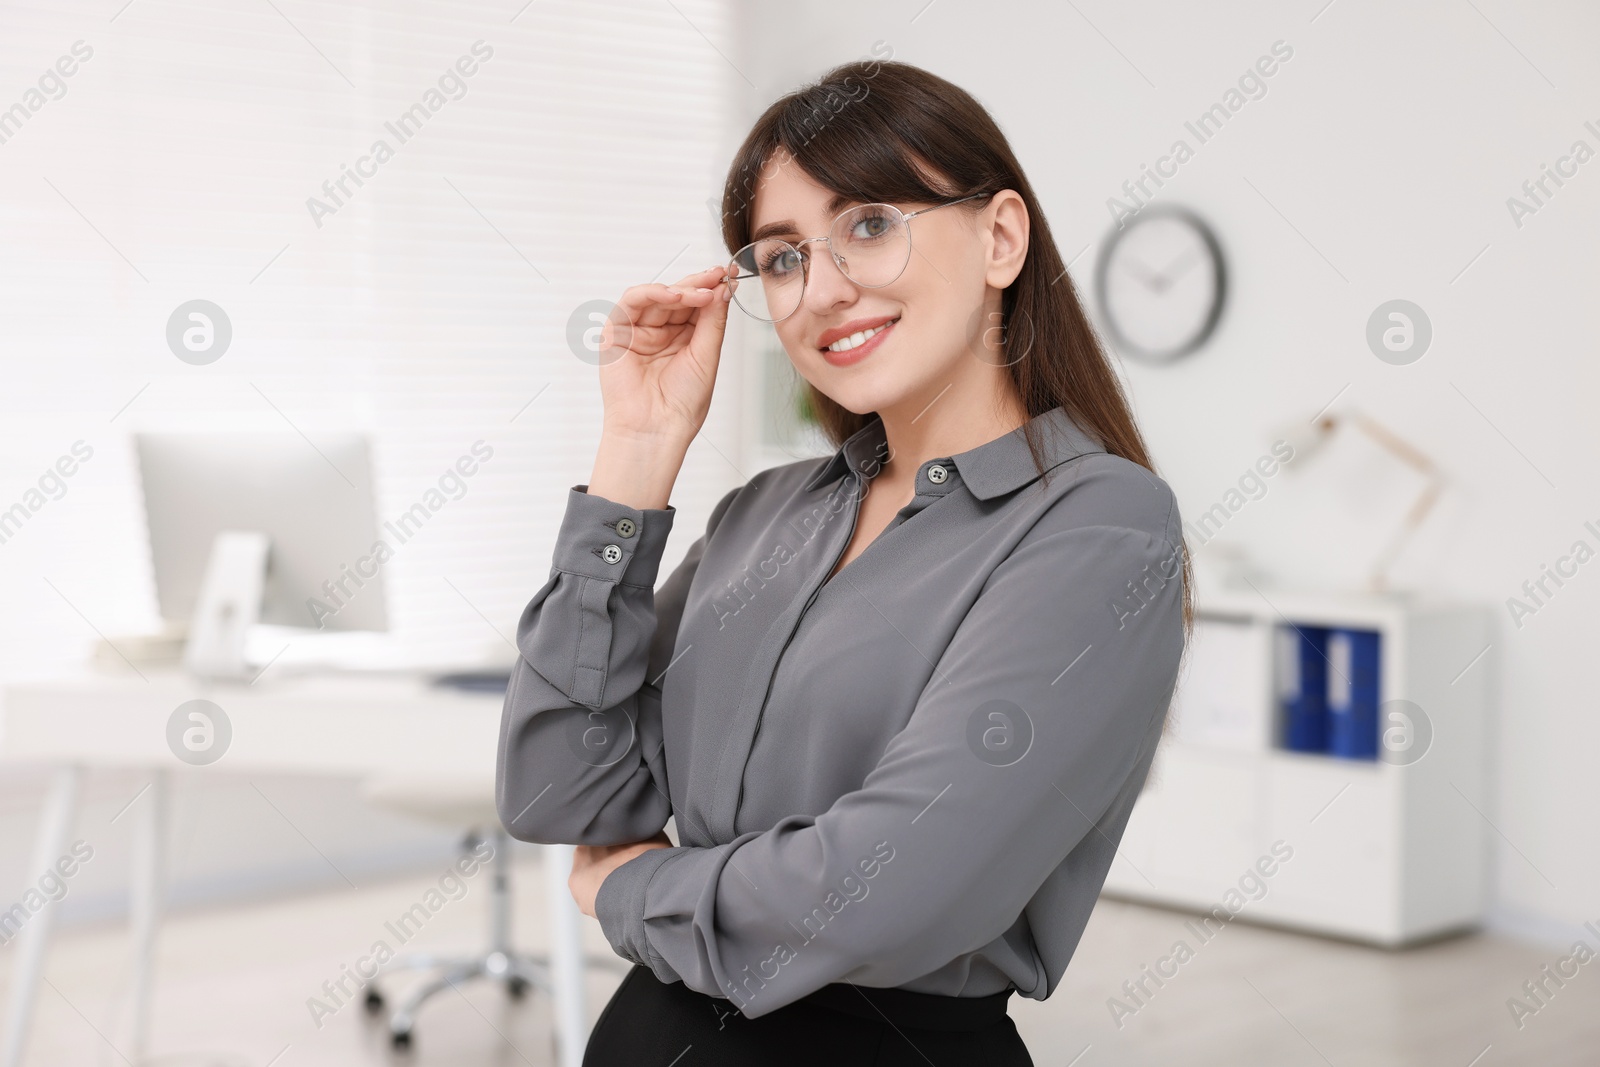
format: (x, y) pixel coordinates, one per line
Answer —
(659, 350)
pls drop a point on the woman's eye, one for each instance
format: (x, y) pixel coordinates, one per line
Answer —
(872, 226)
(779, 263)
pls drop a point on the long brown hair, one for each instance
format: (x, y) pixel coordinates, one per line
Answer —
(881, 131)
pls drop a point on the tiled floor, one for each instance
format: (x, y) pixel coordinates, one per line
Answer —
(235, 984)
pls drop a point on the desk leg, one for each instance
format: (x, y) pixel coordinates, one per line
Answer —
(566, 956)
(149, 862)
(55, 828)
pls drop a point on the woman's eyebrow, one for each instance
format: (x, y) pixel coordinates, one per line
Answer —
(775, 229)
(786, 227)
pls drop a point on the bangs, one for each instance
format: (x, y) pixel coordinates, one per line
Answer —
(846, 138)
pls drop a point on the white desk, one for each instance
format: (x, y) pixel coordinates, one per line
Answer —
(340, 724)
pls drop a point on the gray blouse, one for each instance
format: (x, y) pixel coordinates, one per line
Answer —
(912, 774)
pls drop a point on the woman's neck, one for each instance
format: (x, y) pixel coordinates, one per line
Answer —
(956, 421)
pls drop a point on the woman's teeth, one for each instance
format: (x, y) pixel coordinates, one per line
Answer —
(845, 344)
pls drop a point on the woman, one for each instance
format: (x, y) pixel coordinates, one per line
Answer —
(898, 770)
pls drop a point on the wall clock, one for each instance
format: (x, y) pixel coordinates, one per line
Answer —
(1161, 283)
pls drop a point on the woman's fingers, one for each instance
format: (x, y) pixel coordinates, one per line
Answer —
(702, 278)
(636, 298)
(641, 306)
(640, 297)
(655, 306)
(708, 331)
(702, 289)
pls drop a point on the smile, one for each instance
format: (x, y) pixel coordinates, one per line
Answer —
(845, 344)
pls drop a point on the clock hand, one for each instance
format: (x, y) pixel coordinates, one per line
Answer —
(1138, 270)
(1166, 277)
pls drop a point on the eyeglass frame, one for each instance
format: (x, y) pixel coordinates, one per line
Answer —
(805, 257)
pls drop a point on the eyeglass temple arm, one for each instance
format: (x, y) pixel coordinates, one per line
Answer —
(948, 203)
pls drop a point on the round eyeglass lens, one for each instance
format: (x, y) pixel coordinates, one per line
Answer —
(768, 278)
(873, 244)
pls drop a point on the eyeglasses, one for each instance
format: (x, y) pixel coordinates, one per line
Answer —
(871, 244)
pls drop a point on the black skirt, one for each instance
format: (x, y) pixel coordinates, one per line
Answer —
(650, 1023)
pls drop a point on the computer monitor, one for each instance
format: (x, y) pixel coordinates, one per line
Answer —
(314, 503)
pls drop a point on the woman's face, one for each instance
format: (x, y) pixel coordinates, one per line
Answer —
(933, 313)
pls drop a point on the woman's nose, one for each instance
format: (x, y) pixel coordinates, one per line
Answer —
(826, 283)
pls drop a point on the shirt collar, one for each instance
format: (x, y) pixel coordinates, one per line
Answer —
(995, 468)
(863, 450)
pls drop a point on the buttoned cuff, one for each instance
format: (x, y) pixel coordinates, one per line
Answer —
(619, 906)
(600, 538)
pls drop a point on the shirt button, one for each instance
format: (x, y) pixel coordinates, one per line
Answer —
(937, 474)
(611, 554)
(626, 528)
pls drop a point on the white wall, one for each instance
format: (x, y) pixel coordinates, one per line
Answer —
(1384, 151)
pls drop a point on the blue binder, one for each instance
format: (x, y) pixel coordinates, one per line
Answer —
(1353, 693)
(1303, 687)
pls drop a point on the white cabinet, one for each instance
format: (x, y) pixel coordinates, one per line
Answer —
(1388, 851)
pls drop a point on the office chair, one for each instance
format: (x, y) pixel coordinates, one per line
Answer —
(470, 804)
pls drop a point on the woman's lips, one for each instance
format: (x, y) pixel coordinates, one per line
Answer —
(861, 351)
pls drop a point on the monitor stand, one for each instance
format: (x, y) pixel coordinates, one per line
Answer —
(228, 605)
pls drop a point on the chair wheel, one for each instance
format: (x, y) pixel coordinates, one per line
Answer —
(400, 1039)
(373, 1002)
(517, 987)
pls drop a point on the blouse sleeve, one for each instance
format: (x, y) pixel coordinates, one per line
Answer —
(580, 759)
(1046, 703)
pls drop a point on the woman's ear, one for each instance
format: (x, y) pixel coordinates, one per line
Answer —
(1006, 222)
